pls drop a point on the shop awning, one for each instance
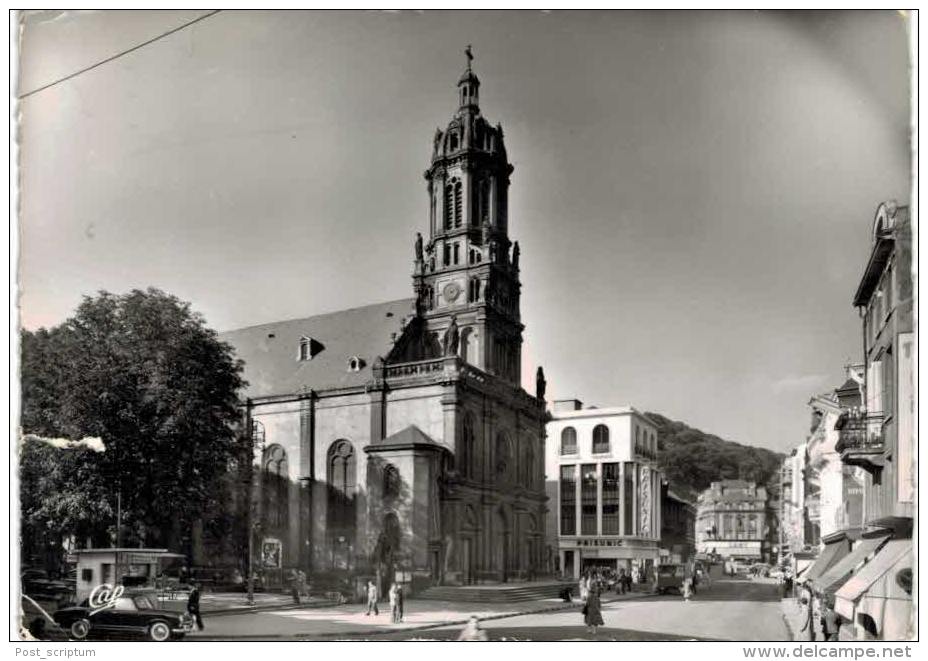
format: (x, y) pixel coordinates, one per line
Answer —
(833, 578)
(876, 582)
(830, 555)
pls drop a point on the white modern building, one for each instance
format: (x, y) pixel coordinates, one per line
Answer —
(604, 488)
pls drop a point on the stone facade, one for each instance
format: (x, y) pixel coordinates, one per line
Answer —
(731, 520)
(395, 440)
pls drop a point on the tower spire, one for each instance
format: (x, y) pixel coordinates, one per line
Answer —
(468, 84)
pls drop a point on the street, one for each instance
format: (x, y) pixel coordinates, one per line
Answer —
(732, 609)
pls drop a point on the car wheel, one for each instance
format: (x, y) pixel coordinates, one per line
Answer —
(80, 629)
(159, 631)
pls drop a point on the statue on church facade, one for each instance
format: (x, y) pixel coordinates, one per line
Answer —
(418, 247)
(452, 338)
(515, 256)
(540, 384)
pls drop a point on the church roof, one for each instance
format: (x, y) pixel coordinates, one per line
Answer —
(271, 351)
(406, 437)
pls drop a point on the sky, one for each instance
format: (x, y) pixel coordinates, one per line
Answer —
(693, 192)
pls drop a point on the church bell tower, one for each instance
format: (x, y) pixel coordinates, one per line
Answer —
(466, 270)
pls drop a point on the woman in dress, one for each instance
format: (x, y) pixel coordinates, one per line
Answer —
(592, 611)
(687, 589)
(394, 603)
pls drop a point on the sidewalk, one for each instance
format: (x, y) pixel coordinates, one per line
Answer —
(221, 603)
(794, 615)
(334, 622)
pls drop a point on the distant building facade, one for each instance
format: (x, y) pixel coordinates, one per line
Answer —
(839, 493)
(604, 488)
(678, 527)
(731, 520)
(793, 520)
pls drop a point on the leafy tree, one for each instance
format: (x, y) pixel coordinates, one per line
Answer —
(692, 459)
(145, 374)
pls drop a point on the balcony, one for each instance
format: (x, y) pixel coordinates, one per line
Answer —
(860, 440)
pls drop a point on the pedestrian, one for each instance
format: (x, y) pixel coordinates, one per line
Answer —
(592, 611)
(400, 600)
(394, 604)
(628, 582)
(472, 630)
(809, 618)
(687, 589)
(301, 580)
(584, 587)
(832, 624)
(828, 623)
(294, 580)
(193, 606)
(372, 598)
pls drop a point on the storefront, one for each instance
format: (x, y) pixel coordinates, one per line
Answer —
(633, 556)
(878, 599)
(826, 585)
(837, 547)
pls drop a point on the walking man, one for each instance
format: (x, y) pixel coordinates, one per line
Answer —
(193, 606)
(372, 598)
(394, 603)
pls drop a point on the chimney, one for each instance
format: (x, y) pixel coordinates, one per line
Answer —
(561, 405)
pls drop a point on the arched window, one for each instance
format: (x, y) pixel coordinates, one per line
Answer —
(342, 483)
(466, 342)
(600, 439)
(342, 468)
(276, 482)
(473, 290)
(458, 204)
(449, 206)
(392, 483)
(484, 198)
(504, 459)
(569, 441)
(528, 463)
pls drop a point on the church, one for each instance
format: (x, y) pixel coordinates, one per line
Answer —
(395, 440)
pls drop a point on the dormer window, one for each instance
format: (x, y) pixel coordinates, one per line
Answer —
(355, 364)
(309, 348)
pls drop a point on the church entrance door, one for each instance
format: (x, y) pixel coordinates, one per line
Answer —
(467, 560)
(503, 543)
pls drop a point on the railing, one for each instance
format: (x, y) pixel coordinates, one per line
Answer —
(861, 432)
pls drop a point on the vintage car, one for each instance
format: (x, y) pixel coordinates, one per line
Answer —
(670, 577)
(130, 615)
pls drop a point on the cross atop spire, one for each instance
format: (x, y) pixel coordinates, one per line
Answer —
(470, 55)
